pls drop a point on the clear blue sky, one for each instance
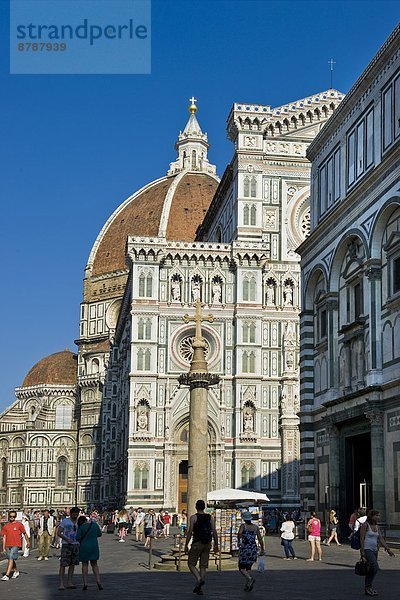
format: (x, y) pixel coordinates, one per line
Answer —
(72, 148)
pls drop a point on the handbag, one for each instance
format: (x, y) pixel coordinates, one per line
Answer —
(361, 568)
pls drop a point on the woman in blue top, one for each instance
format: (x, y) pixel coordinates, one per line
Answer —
(87, 536)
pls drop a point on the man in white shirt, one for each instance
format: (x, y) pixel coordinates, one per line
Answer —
(45, 533)
(139, 524)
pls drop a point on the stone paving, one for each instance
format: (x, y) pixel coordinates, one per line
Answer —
(124, 575)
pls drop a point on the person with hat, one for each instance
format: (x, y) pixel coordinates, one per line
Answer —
(247, 535)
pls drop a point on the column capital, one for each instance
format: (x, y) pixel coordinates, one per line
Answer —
(374, 416)
(373, 269)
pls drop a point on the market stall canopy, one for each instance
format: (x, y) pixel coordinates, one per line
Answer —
(231, 495)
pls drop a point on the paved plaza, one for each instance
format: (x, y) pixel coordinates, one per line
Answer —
(125, 576)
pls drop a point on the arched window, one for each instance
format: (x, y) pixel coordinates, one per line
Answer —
(252, 362)
(114, 410)
(95, 365)
(140, 360)
(245, 362)
(64, 416)
(148, 329)
(147, 360)
(252, 333)
(3, 473)
(248, 476)
(246, 187)
(245, 289)
(246, 213)
(252, 290)
(253, 215)
(249, 289)
(193, 159)
(149, 286)
(141, 477)
(141, 329)
(62, 472)
(253, 187)
(142, 285)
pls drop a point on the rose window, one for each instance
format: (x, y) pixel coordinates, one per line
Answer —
(305, 224)
(185, 348)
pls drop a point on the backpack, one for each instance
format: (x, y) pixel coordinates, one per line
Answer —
(204, 529)
(355, 541)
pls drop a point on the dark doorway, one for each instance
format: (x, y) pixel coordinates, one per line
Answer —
(182, 485)
(358, 472)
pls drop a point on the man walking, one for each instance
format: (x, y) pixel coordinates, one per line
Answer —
(13, 532)
(139, 524)
(45, 533)
(202, 528)
(69, 548)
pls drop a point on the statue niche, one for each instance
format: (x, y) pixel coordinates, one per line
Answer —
(143, 412)
(248, 418)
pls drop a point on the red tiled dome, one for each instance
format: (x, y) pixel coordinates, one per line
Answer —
(58, 368)
(175, 204)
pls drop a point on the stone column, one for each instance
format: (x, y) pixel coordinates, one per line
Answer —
(334, 464)
(198, 379)
(375, 416)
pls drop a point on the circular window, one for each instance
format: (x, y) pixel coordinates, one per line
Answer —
(182, 346)
(185, 348)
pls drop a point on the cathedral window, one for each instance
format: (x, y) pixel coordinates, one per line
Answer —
(141, 477)
(253, 215)
(248, 362)
(3, 473)
(246, 187)
(249, 289)
(248, 476)
(144, 329)
(246, 215)
(63, 416)
(194, 159)
(253, 187)
(391, 113)
(143, 360)
(62, 472)
(249, 333)
(145, 285)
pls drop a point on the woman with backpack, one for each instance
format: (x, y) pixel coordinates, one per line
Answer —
(333, 526)
(370, 540)
(247, 535)
(314, 536)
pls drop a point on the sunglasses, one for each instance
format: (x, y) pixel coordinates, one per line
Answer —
(12, 516)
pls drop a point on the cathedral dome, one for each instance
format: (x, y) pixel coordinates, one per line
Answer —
(58, 368)
(172, 207)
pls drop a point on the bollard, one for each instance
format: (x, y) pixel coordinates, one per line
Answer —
(150, 552)
(220, 551)
(179, 551)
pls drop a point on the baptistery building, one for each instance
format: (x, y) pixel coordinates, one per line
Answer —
(108, 425)
(350, 320)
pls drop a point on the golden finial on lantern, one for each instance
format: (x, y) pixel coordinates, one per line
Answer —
(192, 107)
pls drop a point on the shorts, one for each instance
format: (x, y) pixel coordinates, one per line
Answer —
(148, 532)
(245, 566)
(12, 553)
(316, 538)
(69, 555)
(122, 526)
(201, 551)
(140, 527)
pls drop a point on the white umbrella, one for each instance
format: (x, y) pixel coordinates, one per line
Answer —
(232, 495)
